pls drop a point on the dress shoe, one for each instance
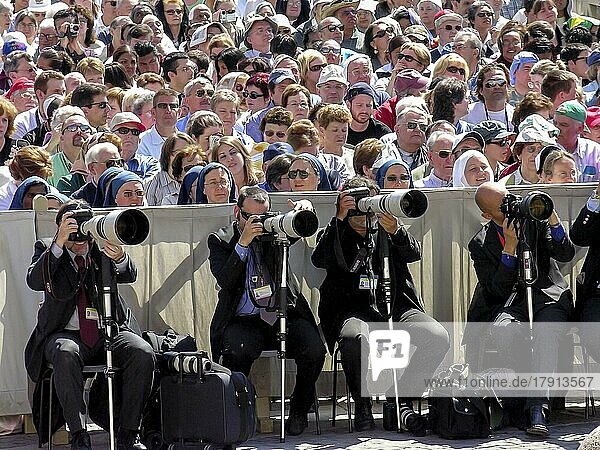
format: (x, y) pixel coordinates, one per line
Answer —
(296, 424)
(538, 426)
(363, 416)
(129, 440)
(80, 440)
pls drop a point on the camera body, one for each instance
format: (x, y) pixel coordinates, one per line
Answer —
(261, 219)
(358, 194)
(81, 216)
(536, 205)
(72, 30)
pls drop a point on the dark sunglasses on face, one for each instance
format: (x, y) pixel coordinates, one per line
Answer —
(443, 154)
(501, 142)
(394, 179)
(245, 214)
(317, 68)
(494, 83)
(382, 33)
(408, 58)
(450, 27)
(252, 95)
(454, 69)
(171, 106)
(270, 133)
(101, 105)
(78, 126)
(203, 92)
(485, 14)
(112, 3)
(303, 174)
(124, 131)
(333, 28)
(325, 50)
(114, 163)
(414, 125)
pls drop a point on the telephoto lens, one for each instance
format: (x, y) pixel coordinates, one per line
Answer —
(186, 363)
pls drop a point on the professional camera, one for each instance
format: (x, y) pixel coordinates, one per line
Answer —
(72, 30)
(400, 203)
(124, 227)
(535, 205)
(294, 224)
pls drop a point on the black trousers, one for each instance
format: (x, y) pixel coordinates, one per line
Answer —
(590, 332)
(427, 335)
(133, 357)
(246, 337)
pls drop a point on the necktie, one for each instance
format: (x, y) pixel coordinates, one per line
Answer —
(88, 328)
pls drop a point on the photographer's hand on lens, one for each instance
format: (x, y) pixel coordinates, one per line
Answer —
(252, 229)
(345, 203)
(113, 251)
(67, 226)
(388, 222)
(510, 237)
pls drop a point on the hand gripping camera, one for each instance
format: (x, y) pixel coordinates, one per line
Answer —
(124, 227)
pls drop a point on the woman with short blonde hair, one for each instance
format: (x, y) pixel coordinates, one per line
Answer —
(310, 63)
(451, 65)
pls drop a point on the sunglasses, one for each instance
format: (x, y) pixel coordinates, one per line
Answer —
(394, 179)
(203, 92)
(501, 142)
(414, 125)
(112, 3)
(494, 83)
(172, 12)
(77, 126)
(125, 131)
(443, 154)
(252, 95)
(303, 174)
(408, 58)
(270, 133)
(245, 214)
(317, 68)
(382, 33)
(455, 27)
(454, 69)
(172, 106)
(325, 50)
(114, 163)
(101, 105)
(485, 14)
(333, 28)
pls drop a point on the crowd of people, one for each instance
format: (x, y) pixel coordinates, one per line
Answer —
(129, 103)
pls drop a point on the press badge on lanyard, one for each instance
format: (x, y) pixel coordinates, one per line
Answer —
(91, 314)
(366, 282)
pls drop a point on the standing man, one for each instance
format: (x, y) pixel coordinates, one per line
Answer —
(559, 86)
(67, 335)
(245, 268)
(468, 45)
(447, 25)
(332, 85)
(91, 98)
(360, 100)
(178, 69)
(165, 107)
(196, 97)
(345, 12)
(258, 35)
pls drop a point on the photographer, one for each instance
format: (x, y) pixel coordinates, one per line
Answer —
(67, 335)
(245, 267)
(500, 296)
(346, 302)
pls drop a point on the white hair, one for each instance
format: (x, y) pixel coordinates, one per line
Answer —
(63, 113)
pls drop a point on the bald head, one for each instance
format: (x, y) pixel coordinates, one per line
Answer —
(489, 197)
(98, 155)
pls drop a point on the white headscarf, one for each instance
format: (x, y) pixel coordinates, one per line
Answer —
(458, 171)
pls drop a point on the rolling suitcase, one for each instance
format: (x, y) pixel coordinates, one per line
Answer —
(204, 403)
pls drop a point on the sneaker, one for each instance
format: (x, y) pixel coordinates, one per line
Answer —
(363, 416)
(538, 425)
(296, 424)
(80, 440)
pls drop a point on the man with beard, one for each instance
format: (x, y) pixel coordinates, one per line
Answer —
(74, 131)
(196, 97)
(360, 100)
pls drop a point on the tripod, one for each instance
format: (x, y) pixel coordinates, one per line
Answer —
(526, 271)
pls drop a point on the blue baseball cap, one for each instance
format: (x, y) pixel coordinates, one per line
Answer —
(278, 75)
(13, 46)
(593, 58)
(276, 149)
(520, 59)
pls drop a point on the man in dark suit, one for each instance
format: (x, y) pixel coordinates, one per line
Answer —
(585, 233)
(246, 268)
(67, 335)
(500, 298)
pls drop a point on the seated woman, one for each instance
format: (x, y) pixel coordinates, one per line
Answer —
(230, 152)
(27, 191)
(471, 169)
(307, 173)
(393, 174)
(212, 183)
(125, 189)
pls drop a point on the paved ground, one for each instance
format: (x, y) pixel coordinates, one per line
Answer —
(567, 430)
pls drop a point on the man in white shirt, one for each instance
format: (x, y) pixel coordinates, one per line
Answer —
(164, 110)
(258, 35)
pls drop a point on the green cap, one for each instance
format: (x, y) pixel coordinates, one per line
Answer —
(574, 110)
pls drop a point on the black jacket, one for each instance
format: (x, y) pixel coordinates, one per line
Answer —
(341, 298)
(585, 232)
(230, 273)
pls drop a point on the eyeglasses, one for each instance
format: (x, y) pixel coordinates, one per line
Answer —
(326, 50)
(494, 83)
(485, 14)
(455, 27)
(333, 28)
(581, 57)
(203, 92)
(349, 12)
(171, 106)
(112, 3)
(414, 125)
(408, 58)
(172, 12)
(270, 133)
(382, 33)
(394, 179)
(443, 154)
(112, 163)
(216, 184)
(129, 194)
(77, 126)
(252, 95)
(501, 142)
(303, 174)
(47, 37)
(302, 105)
(125, 131)
(317, 68)
(101, 105)
(454, 69)
(245, 214)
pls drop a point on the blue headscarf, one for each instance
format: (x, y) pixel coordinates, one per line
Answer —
(186, 185)
(380, 176)
(17, 201)
(200, 195)
(116, 182)
(327, 179)
(103, 185)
